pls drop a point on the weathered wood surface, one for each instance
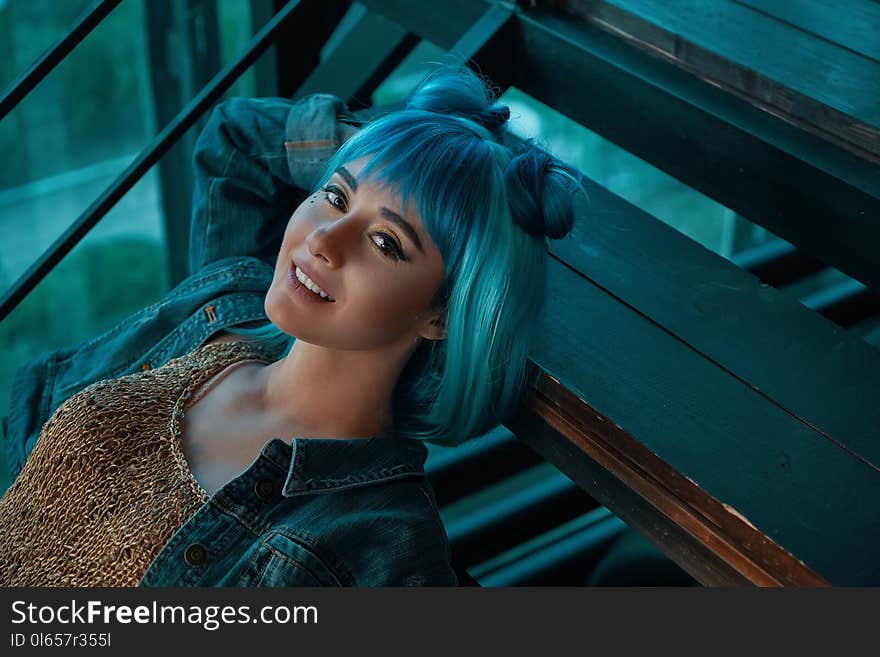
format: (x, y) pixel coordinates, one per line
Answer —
(851, 24)
(701, 449)
(808, 78)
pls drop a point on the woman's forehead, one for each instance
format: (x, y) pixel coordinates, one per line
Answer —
(392, 200)
(351, 172)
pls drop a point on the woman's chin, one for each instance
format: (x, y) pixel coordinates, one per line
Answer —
(280, 310)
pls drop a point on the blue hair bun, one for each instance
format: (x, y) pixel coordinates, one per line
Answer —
(459, 91)
(542, 192)
(541, 189)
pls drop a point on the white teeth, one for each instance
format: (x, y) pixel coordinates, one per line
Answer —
(305, 280)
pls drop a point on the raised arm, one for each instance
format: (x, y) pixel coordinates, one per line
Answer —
(254, 162)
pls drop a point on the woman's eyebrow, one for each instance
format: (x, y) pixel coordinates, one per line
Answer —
(388, 213)
(404, 225)
(349, 179)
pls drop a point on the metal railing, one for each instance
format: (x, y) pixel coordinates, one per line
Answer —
(151, 154)
(55, 54)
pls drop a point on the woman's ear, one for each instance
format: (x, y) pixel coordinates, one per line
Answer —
(435, 329)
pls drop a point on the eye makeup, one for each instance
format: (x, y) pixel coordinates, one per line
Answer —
(392, 250)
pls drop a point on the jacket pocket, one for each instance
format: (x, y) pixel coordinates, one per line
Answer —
(294, 563)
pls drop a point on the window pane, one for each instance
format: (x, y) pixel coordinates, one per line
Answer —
(63, 145)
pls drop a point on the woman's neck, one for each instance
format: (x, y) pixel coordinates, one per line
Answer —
(325, 393)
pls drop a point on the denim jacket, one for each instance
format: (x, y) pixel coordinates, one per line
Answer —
(312, 512)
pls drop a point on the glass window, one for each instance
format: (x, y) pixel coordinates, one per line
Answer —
(64, 144)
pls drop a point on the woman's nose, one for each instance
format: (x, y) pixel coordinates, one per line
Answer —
(332, 239)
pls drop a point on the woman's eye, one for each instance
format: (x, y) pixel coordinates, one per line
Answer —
(389, 246)
(328, 191)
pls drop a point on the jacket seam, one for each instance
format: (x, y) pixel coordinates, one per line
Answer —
(335, 486)
(48, 387)
(160, 349)
(291, 145)
(210, 208)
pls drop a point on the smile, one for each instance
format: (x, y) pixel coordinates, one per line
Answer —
(309, 283)
(303, 287)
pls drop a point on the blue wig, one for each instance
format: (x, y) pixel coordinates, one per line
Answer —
(489, 211)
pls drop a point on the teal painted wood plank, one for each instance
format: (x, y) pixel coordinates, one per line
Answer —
(834, 76)
(766, 169)
(362, 51)
(442, 23)
(823, 374)
(806, 493)
(853, 24)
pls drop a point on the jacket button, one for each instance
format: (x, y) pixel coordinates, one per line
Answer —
(265, 489)
(196, 554)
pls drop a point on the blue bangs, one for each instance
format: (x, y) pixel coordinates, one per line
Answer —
(443, 163)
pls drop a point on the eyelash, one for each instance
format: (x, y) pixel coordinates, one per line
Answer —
(396, 254)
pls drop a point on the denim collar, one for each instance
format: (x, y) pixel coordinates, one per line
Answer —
(316, 465)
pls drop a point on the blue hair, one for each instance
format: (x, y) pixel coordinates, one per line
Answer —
(489, 211)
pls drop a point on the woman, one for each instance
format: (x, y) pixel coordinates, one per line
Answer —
(402, 302)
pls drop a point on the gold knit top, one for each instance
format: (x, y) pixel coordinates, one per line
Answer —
(107, 484)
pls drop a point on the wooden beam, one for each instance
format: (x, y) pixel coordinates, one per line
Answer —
(853, 25)
(298, 47)
(812, 194)
(826, 89)
(741, 477)
(846, 303)
(806, 364)
(777, 263)
(483, 45)
(442, 23)
(670, 511)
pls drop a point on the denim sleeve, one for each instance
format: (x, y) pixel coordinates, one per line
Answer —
(242, 192)
(254, 162)
(407, 545)
(28, 407)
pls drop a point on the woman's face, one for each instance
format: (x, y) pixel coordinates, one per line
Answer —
(381, 268)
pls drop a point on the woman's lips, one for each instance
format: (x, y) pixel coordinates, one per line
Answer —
(300, 290)
(304, 271)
